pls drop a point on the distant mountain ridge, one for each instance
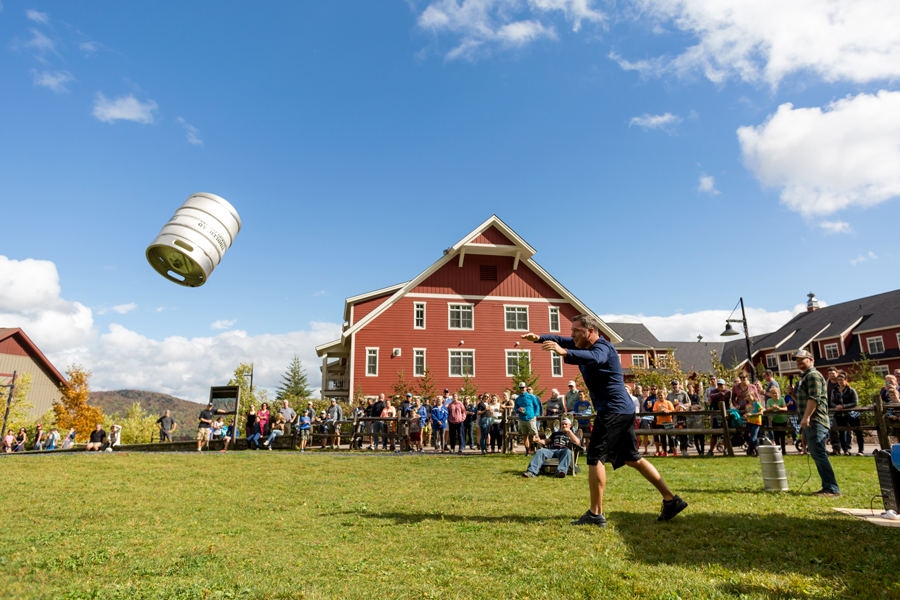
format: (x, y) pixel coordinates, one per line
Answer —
(117, 403)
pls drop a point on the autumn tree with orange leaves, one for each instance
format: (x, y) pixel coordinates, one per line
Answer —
(73, 410)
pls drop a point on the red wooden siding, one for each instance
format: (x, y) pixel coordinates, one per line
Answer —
(361, 309)
(466, 280)
(492, 235)
(394, 329)
(12, 347)
(888, 337)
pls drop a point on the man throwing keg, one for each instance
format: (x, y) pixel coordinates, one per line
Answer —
(612, 437)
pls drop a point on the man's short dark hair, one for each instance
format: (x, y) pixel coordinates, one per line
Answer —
(588, 322)
(768, 372)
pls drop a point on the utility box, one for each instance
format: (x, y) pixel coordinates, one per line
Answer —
(888, 480)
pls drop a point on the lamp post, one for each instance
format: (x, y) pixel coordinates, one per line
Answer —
(730, 331)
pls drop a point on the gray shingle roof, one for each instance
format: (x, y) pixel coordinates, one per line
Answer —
(634, 335)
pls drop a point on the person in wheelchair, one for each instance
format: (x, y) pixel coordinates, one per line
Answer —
(558, 446)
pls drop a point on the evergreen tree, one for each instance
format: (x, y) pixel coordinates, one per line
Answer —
(426, 385)
(294, 383)
(525, 373)
(468, 387)
(402, 387)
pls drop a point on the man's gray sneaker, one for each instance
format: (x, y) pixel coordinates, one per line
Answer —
(589, 518)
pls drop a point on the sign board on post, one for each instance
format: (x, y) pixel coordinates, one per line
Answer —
(226, 400)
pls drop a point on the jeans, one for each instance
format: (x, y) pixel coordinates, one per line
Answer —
(439, 438)
(378, 427)
(542, 454)
(753, 434)
(700, 444)
(456, 436)
(275, 432)
(484, 426)
(469, 433)
(496, 436)
(816, 438)
(780, 436)
(254, 436)
(846, 437)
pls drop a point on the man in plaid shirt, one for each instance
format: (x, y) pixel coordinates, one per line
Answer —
(813, 400)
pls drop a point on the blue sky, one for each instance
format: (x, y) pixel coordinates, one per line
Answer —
(359, 139)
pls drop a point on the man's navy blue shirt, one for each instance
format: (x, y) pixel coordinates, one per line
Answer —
(601, 371)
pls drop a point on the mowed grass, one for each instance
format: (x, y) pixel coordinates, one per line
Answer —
(279, 525)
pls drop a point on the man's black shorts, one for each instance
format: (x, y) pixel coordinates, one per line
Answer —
(613, 440)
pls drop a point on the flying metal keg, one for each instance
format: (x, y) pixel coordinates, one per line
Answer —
(194, 240)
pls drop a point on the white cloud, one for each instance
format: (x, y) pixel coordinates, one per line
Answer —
(826, 160)
(37, 16)
(56, 80)
(665, 122)
(124, 108)
(40, 42)
(190, 132)
(707, 185)
(508, 23)
(223, 323)
(766, 40)
(836, 226)
(863, 258)
(187, 367)
(89, 47)
(124, 308)
(30, 299)
(708, 323)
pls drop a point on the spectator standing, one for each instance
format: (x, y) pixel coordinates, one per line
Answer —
(253, 431)
(584, 409)
(695, 422)
(776, 407)
(718, 397)
(263, 418)
(527, 408)
(388, 412)
(406, 406)
(755, 409)
(290, 416)
(682, 403)
(469, 425)
(218, 426)
(115, 437)
(424, 420)
(484, 415)
(890, 381)
(335, 416)
(508, 405)
(739, 395)
(771, 384)
(305, 430)
(456, 417)
(69, 439)
(167, 426)
(665, 408)
(415, 429)
(98, 436)
(439, 424)
(448, 397)
(377, 426)
(496, 433)
(52, 439)
(573, 396)
(793, 419)
(647, 421)
(38, 437)
(849, 400)
(9, 441)
(555, 405)
(834, 399)
(811, 396)
(203, 425)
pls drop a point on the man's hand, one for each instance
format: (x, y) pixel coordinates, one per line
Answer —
(531, 337)
(548, 346)
(804, 422)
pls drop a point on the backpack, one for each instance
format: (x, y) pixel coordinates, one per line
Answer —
(734, 418)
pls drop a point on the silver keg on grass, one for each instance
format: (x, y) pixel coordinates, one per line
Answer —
(194, 240)
(774, 477)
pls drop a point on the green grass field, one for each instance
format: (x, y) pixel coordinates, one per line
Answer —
(275, 525)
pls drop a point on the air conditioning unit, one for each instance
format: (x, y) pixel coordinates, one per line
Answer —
(396, 352)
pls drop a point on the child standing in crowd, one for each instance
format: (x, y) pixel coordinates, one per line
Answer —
(776, 407)
(8, 441)
(305, 430)
(415, 431)
(439, 425)
(666, 409)
(253, 431)
(791, 406)
(754, 414)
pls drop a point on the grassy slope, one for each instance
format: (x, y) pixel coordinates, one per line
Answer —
(316, 526)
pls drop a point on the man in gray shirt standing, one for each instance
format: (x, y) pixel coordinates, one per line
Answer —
(335, 415)
(167, 426)
(290, 417)
(571, 396)
(682, 402)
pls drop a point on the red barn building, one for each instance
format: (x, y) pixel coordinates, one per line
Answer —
(464, 313)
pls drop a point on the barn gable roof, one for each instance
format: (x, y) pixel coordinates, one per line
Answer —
(33, 350)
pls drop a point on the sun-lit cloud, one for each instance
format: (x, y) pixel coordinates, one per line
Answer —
(666, 122)
(54, 80)
(707, 185)
(124, 308)
(124, 108)
(863, 258)
(836, 226)
(190, 132)
(766, 40)
(478, 25)
(89, 47)
(223, 323)
(826, 160)
(39, 43)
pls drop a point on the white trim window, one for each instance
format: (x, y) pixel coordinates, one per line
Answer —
(419, 315)
(461, 316)
(556, 362)
(771, 361)
(462, 362)
(882, 370)
(371, 362)
(418, 362)
(875, 344)
(554, 319)
(516, 318)
(831, 351)
(639, 360)
(512, 361)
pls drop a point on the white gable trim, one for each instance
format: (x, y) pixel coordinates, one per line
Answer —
(349, 302)
(406, 288)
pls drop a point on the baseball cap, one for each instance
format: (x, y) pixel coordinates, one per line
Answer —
(802, 354)
(408, 395)
(522, 384)
(675, 382)
(446, 390)
(572, 383)
(722, 381)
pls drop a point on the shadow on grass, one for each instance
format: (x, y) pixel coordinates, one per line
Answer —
(773, 542)
(406, 518)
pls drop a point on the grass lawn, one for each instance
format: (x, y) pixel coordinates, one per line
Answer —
(277, 525)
